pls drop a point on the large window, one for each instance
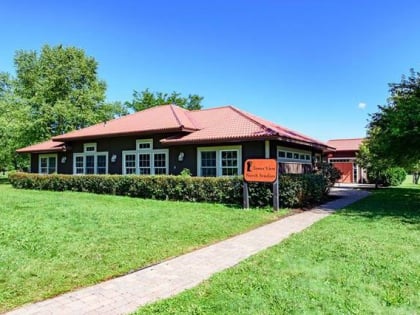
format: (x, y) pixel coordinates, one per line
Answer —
(145, 160)
(285, 155)
(47, 163)
(90, 161)
(219, 161)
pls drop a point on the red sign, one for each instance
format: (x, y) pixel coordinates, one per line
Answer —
(260, 170)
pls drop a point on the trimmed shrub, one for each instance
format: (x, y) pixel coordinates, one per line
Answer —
(393, 176)
(298, 190)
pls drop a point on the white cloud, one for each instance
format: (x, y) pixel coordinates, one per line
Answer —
(362, 105)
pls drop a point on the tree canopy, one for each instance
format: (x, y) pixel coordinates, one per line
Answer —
(394, 131)
(62, 88)
(146, 99)
(54, 91)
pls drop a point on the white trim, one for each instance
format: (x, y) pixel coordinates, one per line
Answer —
(142, 141)
(91, 144)
(292, 159)
(267, 149)
(151, 152)
(219, 150)
(343, 159)
(95, 163)
(47, 156)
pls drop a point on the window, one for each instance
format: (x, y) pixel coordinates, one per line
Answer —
(285, 155)
(47, 163)
(90, 161)
(145, 160)
(219, 161)
(89, 147)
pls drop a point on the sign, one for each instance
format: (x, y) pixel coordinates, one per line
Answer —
(260, 170)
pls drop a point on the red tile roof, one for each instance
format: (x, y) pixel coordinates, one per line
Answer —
(345, 144)
(229, 123)
(221, 124)
(166, 118)
(44, 147)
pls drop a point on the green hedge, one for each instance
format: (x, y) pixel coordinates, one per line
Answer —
(294, 190)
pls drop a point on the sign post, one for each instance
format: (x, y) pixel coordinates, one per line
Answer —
(261, 171)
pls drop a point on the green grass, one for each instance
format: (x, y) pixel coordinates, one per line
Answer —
(362, 260)
(52, 242)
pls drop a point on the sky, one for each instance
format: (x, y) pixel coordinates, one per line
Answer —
(316, 66)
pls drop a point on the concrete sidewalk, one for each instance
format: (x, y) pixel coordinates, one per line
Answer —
(127, 293)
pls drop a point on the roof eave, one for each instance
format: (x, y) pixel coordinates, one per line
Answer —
(121, 134)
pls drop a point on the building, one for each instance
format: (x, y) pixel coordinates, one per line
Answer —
(166, 139)
(344, 158)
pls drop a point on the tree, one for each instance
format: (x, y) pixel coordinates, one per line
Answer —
(61, 87)
(14, 123)
(394, 131)
(54, 92)
(146, 99)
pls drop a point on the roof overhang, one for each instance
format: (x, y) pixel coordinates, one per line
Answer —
(120, 134)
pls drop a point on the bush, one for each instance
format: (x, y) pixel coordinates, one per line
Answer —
(298, 190)
(329, 172)
(393, 176)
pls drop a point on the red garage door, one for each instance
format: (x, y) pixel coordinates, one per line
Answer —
(347, 170)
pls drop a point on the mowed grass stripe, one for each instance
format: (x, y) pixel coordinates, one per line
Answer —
(53, 242)
(362, 260)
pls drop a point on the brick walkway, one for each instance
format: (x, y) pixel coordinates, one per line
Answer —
(127, 293)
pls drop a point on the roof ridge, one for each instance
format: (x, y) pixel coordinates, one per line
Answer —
(249, 117)
(171, 106)
(346, 139)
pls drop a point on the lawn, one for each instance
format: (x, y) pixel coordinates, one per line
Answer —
(362, 260)
(53, 242)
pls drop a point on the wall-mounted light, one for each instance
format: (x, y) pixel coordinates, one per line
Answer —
(181, 156)
(113, 158)
(63, 159)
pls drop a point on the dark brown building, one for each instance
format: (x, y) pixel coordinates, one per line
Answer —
(166, 139)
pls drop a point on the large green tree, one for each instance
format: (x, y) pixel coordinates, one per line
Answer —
(14, 124)
(394, 131)
(146, 99)
(62, 88)
(53, 92)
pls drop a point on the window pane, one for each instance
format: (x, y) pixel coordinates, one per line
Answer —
(90, 164)
(101, 164)
(160, 163)
(130, 164)
(144, 145)
(79, 165)
(296, 156)
(289, 155)
(208, 172)
(302, 156)
(144, 164)
(43, 165)
(51, 165)
(282, 154)
(229, 163)
(208, 163)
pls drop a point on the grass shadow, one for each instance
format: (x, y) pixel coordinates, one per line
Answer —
(4, 180)
(403, 204)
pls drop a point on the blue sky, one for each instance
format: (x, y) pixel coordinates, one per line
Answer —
(304, 64)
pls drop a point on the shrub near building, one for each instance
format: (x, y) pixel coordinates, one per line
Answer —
(295, 190)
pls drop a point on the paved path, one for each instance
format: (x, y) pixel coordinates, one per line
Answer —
(125, 294)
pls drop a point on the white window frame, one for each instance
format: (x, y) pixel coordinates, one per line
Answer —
(95, 155)
(219, 150)
(293, 152)
(87, 145)
(47, 156)
(151, 152)
(144, 141)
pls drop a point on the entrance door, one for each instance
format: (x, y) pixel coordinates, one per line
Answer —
(347, 170)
